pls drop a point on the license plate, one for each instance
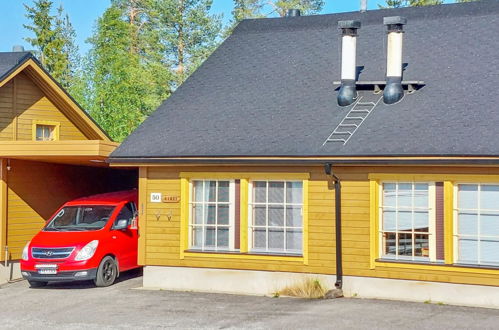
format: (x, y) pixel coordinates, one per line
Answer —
(47, 271)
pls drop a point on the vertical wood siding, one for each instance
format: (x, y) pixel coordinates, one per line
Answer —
(162, 236)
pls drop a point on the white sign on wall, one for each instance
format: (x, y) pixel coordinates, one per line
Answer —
(155, 197)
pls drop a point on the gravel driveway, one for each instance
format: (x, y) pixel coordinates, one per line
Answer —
(70, 306)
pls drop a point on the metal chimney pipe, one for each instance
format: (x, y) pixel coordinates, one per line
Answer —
(17, 48)
(293, 13)
(394, 91)
(348, 91)
(363, 6)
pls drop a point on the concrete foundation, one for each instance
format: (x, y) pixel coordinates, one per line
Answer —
(9, 272)
(267, 283)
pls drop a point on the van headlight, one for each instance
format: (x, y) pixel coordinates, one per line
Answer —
(25, 255)
(88, 251)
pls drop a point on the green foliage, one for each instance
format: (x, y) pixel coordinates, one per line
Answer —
(126, 79)
(410, 3)
(244, 9)
(54, 41)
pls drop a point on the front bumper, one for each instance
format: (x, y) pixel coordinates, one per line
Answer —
(61, 276)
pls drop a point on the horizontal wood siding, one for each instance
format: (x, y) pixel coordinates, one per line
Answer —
(36, 190)
(162, 236)
(30, 104)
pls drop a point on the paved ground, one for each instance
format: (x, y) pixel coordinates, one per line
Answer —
(121, 306)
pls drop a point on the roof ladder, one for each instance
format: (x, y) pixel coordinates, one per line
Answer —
(353, 119)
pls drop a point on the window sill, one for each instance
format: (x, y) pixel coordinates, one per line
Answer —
(436, 266)
(245, 255)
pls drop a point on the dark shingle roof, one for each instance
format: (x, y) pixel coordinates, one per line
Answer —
(9, 61)
(268, 90)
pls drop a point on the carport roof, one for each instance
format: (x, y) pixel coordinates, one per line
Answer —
(268, 91)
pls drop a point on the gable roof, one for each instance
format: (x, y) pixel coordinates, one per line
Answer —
(11, 63)
(268, 91)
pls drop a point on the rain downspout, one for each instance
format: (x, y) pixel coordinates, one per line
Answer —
(328, 169)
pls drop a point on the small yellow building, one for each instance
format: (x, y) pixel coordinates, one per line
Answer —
(51, 151)
(315, 147)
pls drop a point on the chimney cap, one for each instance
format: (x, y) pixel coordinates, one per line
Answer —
(394, 20)
(293, 13)
(18, 48)
(352, 24)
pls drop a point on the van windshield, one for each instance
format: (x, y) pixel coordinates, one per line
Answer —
(80, 218)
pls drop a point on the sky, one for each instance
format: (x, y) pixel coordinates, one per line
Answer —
(83, 14)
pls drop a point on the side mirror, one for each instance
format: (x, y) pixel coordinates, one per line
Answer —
(121, 224)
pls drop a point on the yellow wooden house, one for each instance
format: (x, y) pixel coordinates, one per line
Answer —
(51, 151)
(361, 149)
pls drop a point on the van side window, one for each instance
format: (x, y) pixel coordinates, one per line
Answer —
(127, 212)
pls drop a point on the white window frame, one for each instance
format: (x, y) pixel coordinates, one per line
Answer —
(231, 225)
(431, 225)
(251, 204)
(455, 226)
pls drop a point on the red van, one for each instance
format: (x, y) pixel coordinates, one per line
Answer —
(91, 238)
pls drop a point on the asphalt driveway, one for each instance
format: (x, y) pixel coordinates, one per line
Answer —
(79, 306)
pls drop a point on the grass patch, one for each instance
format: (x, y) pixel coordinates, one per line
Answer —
(307, 288)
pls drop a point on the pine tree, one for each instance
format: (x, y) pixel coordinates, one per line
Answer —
(244, 9)
(188, 32)
(410, 3)
(54, 41)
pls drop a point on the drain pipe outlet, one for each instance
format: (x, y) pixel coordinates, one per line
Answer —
(394, 91)
(328, 169)
(348, 92)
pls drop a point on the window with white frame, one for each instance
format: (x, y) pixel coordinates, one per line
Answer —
(212, 215)
(276, 217)
(477, 224)
(407, 221)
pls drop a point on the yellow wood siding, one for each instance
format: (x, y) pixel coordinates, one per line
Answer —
(161, 237)
(22, 103)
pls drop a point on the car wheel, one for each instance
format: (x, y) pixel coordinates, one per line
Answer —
(106, 273)
(37, 284)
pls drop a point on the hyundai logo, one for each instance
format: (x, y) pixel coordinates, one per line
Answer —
(49, 253)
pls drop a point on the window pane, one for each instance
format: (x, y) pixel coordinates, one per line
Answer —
(259, 188)
(489, 250)
(405, 195)
(294, 192)
(489, 224)
(211, 190)
(389, 223)
(467, 196)
(197, 214)
(223, 237)
(421, 245)
(489, 197)
(276, 192)
(276, 239)
(276, 216)
(293, 216)
(405, 221)
(198, 191)
(467, 224)
(405, 244)
(197, 237)
(421, 222)
(39, 133)
(259, 216)
(421, 195)
(259, 238)
(468, 250)
(211, 214)
(389, 243)
(223, 215)
(389, 194)
(223, 191)
(294, 240)
(210, 237)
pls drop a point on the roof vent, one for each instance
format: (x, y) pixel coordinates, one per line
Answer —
(394, 91)
(293, 13)
(348, 92)
(17, 48)
(363, 6)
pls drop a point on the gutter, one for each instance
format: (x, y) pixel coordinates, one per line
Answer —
(328, 169)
